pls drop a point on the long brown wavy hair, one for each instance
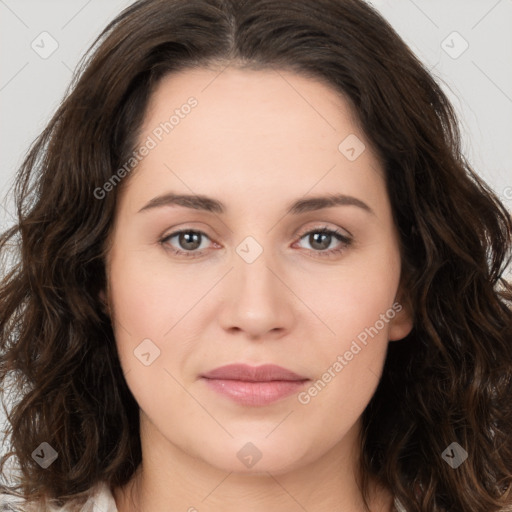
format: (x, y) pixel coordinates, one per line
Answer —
(449, 381)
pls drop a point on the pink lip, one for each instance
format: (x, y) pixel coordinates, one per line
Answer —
(249, 385)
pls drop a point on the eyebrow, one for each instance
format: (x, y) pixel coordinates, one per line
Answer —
(208, 204)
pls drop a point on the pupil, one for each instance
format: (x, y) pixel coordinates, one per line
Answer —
(323, 245)
(189, 240)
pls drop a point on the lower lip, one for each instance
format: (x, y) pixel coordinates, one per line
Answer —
(255, 393)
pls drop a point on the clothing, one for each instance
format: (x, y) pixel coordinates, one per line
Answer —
(101, 500)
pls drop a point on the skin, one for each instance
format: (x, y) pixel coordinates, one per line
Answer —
(256, 141)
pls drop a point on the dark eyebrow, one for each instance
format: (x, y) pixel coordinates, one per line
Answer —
(318, 202)
(200, 202)
(197, 202)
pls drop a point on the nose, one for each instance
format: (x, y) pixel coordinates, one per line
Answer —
(258, 300)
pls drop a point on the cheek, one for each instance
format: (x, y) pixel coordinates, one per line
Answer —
(348, 364)
(354, 297)
(147, 304)
(356, 303)
(149, 296)
(155, 301)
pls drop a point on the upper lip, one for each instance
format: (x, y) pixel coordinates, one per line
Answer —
(244, 372)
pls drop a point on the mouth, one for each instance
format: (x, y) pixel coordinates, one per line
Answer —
(254, 386)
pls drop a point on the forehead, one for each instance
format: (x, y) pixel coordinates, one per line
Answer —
(272, 130)
(240, 97)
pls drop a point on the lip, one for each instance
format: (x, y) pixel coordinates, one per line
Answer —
(254, 385)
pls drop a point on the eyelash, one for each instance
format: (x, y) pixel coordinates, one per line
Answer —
(345, 242)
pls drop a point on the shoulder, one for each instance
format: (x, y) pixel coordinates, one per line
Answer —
(100, 499)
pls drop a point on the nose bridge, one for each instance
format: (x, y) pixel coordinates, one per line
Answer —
(253, 262)
(257, 299)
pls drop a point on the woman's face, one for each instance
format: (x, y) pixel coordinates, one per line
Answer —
(261, 154)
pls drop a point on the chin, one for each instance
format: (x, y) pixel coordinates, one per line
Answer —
(252, 455)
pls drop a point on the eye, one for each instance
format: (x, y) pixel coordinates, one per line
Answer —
(189, 240)
(321, 238)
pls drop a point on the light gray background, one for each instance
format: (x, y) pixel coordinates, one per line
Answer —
(478, 81)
